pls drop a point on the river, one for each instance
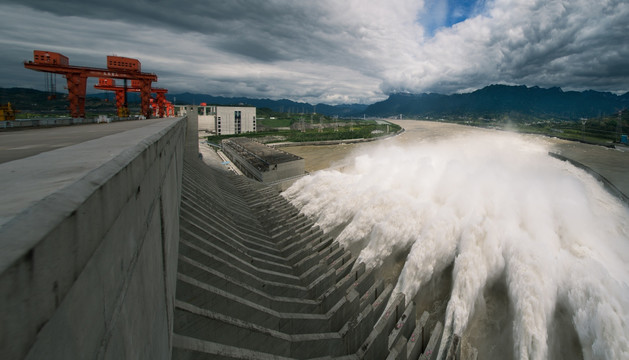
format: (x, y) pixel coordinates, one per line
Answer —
(522, 255)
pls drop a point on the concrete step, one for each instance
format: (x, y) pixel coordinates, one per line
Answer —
(340, 287)
(216, 300)
(224, 231)
(192, 321)
(224, 239)
(294, 242)
(189, 348)
(204, 210)
(258, 280)
(372, 293)
(190, 269)
(376, 345)
(275, 283)
(238, 217)
(314, 258)
(241, 256)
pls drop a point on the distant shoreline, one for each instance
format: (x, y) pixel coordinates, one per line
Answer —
(335, 142)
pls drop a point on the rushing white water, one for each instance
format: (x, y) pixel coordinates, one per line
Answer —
(497, 207)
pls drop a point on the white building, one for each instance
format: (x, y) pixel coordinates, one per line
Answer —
(223, 120)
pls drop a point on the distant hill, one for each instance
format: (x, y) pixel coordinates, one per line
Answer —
(283, 105)
(31, 99)
(491, 101)
(502, 99)
(24, 99)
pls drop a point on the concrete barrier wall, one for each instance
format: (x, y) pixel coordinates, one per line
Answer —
(89, 271)
(608, 184)
(54, 122)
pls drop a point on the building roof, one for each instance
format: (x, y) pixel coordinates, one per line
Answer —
(258, 154)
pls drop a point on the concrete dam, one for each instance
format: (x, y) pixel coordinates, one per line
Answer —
(130, 247)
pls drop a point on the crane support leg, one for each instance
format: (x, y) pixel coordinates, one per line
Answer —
(145, 96)
(161, 104)
(76, 94)
(119, 99)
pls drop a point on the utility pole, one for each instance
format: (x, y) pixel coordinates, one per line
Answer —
(583, 121)
(619, 126)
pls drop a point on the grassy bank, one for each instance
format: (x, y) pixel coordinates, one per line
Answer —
(602, 130)
(340, 131)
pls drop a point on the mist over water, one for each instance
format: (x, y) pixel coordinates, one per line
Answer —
(501, 211)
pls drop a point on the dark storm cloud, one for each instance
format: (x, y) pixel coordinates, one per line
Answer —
(267, 30)
(573, 44)
(335, 51)
(568, 41)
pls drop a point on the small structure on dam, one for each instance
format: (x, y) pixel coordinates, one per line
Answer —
(261, 162)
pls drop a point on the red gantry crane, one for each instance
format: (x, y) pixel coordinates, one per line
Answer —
(117, 68)
(161, 106)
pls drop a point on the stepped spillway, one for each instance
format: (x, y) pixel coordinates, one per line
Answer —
(258, 280)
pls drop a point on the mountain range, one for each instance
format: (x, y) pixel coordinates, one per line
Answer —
(490, 101)
(496, 100)
(283, 105)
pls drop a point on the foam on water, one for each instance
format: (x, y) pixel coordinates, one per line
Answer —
(498, 207)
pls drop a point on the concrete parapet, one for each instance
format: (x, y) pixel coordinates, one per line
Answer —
(432, 348)
(419, 338)
(376, 345)
(53, 122)
(404, 326)
(398, 351)
(608, 184)
(87, 269)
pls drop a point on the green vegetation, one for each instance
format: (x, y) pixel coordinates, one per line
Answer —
(282, 127)
(357, 131)
(600, 130)
(35, 104)
(275, 123)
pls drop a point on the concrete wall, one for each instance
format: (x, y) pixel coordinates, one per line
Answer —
(89, 270)
(242, 164)
(285, 170)
(226, 120)
(606, 182)
(275, 172)
(207, 118)
(28, 123)
(221, 119)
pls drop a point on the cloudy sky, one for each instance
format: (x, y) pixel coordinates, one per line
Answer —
(329, 51)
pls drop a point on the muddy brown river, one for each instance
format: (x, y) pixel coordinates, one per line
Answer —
(522, 255)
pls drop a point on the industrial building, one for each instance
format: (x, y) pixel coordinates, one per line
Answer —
(223, 120)
(261, 162)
